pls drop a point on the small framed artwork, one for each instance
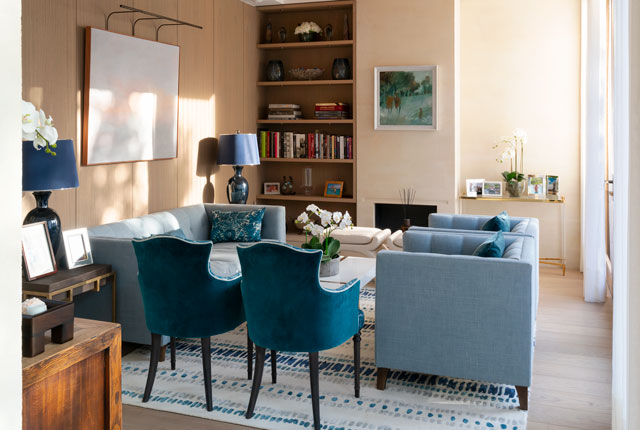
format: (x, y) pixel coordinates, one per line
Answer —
(536, 186)
(77, 248)
(492, 189)
(406, 98)
(272, 187)
(333, 188)
(474, 187)
(37, 252)
(552, 185)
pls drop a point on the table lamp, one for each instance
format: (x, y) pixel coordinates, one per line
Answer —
(238, 150)
(42, 173)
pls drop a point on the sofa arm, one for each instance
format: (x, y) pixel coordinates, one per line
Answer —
(455, 315)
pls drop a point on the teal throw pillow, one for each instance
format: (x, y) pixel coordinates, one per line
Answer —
(492, 247)
(176, 233)
(498, 223)
(236, 226)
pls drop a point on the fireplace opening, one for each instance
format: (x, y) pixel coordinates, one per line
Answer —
(391, 215)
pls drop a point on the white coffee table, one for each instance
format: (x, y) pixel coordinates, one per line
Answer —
(362, 268)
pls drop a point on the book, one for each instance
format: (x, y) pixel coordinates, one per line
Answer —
(316, 145)
(283, 106)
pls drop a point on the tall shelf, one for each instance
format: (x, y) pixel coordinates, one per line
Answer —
(293, 54)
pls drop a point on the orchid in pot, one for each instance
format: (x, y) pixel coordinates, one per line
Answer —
(38, 128)
(307, 31)
(318, 224)
(511, 149)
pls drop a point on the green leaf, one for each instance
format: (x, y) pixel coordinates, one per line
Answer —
(315, 243)
(332, 248)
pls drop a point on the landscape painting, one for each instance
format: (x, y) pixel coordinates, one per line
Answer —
(406, 98)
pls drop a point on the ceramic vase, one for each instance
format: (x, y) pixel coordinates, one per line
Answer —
(341, 69)
(330, 268)
(275, 71)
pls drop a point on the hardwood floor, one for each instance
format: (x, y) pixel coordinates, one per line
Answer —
(571, 372)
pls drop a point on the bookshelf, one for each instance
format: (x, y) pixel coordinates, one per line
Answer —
(321, 54)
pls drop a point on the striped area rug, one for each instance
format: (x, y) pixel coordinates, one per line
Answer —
(410, 401)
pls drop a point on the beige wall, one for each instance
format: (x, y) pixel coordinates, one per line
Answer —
(212, 82)
(403, 33)
(520, 67)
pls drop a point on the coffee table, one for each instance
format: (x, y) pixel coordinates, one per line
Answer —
(363, 268)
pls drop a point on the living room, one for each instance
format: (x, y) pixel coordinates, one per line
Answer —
(401, 135)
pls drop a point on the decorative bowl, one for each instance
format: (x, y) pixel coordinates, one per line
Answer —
(305, 74)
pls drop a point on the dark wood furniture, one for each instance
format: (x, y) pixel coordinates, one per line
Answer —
(70, 282)
(58, 318)
(75, 385)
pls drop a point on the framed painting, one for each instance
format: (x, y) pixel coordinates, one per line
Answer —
(406, 98)
(130, 99)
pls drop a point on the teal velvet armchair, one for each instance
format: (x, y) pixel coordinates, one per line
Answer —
(287, 309)
(182, 298)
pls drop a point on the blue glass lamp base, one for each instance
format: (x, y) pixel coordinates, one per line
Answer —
(238, 188)
(42, 212)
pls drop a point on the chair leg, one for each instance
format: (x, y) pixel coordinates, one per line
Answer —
(274, 370)
(315, 389)
(257, 380)
(153, 365)
(163, 353)
(249, 356)
(173, 353)
(382, 378)
(356, 362)
(206, 368)
(523, 396)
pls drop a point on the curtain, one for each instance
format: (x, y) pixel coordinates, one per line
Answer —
(593, 154)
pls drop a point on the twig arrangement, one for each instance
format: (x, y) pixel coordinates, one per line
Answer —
(407, 196)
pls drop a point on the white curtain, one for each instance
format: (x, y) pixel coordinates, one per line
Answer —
(593, 155)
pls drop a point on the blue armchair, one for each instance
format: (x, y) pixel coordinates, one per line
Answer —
(442, 311)
(287, 309)
(182, 298)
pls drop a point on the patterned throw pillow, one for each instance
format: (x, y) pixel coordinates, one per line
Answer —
(236, 226)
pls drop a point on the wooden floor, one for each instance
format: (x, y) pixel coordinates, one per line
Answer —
(571, 373)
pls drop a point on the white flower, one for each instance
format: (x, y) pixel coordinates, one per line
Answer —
(519, 133)
(507, 154)
(303, 218)
(308, 227)
(313, 208)
(325, 217)
(347, 216)
(337, 216)
(317, 230)
(30, 120)
(307, 27)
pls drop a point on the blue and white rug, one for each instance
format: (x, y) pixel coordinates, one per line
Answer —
(410, 401)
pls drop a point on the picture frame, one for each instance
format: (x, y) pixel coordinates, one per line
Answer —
(552, 185)
(492, 189)
(77, 248)
(333, 189)
(271, 188)
(413, 87)
(474, 187)
(536, 185)
(37, 252)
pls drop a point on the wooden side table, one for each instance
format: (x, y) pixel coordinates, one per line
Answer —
(65, 284)
(75, 385)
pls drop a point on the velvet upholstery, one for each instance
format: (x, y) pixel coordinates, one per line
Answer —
(181, 297)
(287, 308)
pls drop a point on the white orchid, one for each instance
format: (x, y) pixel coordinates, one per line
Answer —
(321, 232)
(307, 228)
(303, 218)
(313, 208)
(325, 218)
(520, 135)
(317, 230)
(512, 149)
(307, 27)
(30, 120)
(37, 127)
(337, 216)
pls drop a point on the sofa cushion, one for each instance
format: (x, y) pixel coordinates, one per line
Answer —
(521, 227)
(223, 260)
(492, 247)
(356, 235)
(499, 222)
(236, 226)
(514, 251)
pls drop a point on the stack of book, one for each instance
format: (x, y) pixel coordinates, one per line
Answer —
(286, 144)
(332, 111)
(284, 111)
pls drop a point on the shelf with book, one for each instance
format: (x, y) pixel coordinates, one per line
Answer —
(306, 45)
(306, 160)
(303, 198)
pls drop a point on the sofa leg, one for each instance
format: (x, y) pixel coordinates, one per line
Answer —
(356, 362)
(173, 353)
(163, 353)
(274, 367)
(523, 396)
(383, 372)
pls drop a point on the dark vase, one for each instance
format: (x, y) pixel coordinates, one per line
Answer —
(341, 69)
(406, 223)
(282, 34)
(307, 37)
(275, 70)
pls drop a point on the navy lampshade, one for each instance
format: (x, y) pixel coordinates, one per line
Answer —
(44, 172)
(238, 149)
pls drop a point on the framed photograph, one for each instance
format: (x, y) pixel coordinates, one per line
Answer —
(37, 253)
(77, 248)
(490, 188)
(333, 188)
(536, 186)
(406, 98)
(272, 188)
(552, 185)
(474, 187)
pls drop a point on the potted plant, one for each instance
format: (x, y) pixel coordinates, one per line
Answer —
(318, 224)
(512, 149)
(308, 31)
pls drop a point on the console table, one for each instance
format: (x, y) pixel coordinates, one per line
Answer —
(553, 261)
(75, 385)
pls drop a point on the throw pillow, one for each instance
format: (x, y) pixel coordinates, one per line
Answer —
(492, 247)
(236, 226)
(498, 223)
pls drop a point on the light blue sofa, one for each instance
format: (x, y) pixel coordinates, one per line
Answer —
(442, 311)
(111, 244)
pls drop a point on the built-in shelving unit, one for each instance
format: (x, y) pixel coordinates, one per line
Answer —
(320, 54)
